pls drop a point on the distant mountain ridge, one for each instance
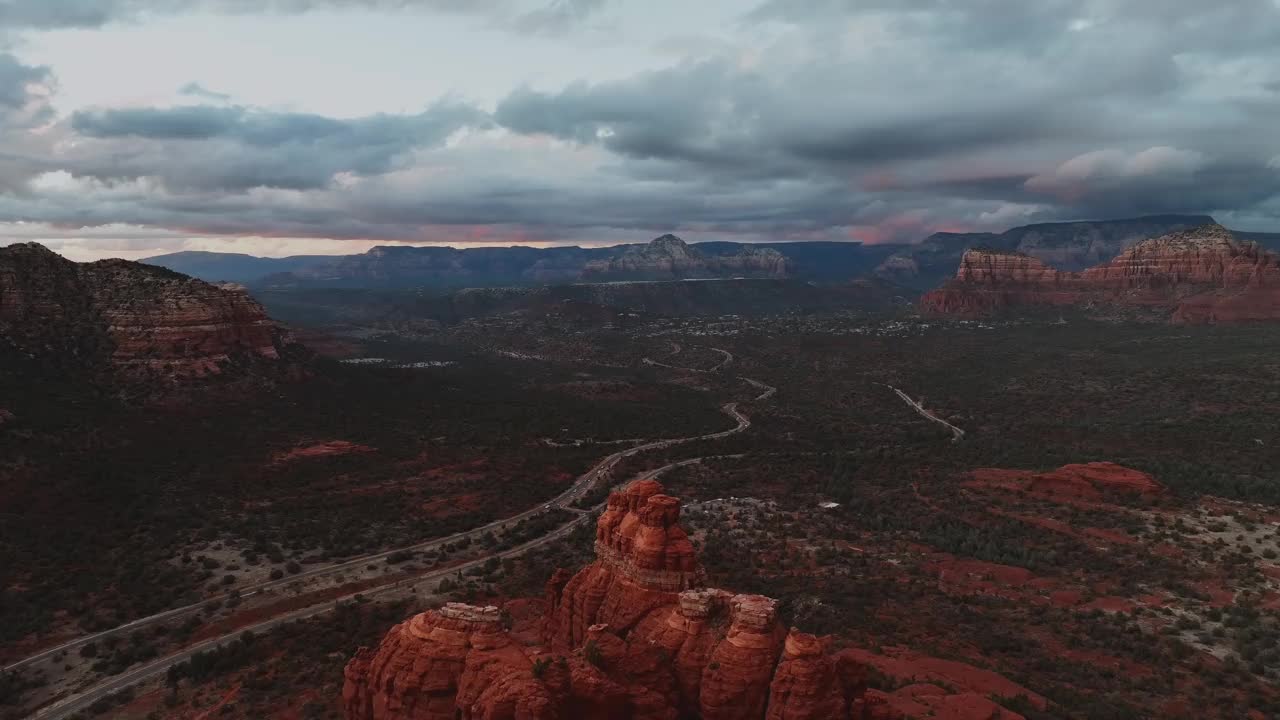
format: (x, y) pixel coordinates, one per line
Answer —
(1065, 246)
(126, 318)
(447, 268)
(1070, 246)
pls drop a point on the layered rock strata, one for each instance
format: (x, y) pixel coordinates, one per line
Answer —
(1203, 275)
(126, 316)
(633, 635)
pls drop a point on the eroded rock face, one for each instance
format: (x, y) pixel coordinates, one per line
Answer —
(643, 560)
(126, 316)
(1203, 275)
(640, 638)
(807, 682)
(454, 662)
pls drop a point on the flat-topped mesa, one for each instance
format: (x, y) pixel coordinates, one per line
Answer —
(1199, 275)
(668, 258)
(1209, 255)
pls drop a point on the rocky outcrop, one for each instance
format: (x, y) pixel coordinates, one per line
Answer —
(634, 635)
(807, 682)
(133, 318)
(1070, 246)
(454, 662)
(670, 258)
(1204, 275)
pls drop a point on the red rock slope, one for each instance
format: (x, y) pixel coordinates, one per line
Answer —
(131, 317)
(1203, 275)
(631, 636)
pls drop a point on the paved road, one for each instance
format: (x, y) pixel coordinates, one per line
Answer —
(726, 358)
(769, 390)
(956, 433)
(75, 703)
(564, 500)
(70, 705)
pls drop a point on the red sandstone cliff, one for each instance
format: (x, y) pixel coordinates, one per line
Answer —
(1203, 275)
(631, 636)
(131, 317)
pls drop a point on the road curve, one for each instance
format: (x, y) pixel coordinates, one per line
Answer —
(69, 706)
(726, 358)
(564, 500)
(956, 433)
(769, 390)
(76, 703)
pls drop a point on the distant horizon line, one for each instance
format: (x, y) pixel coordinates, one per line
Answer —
(551, 244)
(464, 246)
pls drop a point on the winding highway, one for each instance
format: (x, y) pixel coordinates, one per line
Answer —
(68, 706)
(956, 433)
(726, 358)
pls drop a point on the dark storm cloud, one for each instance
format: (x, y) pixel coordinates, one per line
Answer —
(559, 17)
(828, 119)
(1005, 89)
(671, 114)
(16, 80)
(236, 148)
(57, 14)
(24, 105)
(184, 123)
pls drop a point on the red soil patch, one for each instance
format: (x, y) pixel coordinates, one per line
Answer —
(1118, 537)
(930, 701)
(1052, 646)
(1111, 604)
(460, 504)
(470, 468)
(324, 449)
(954, 570)
(1219, 596)
(1090, 482)
(906, 666)
(1066, 598)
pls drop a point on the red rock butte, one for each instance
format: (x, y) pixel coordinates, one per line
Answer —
(1197, 276)
(633, 635)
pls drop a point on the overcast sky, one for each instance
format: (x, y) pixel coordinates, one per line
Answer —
(135, 127)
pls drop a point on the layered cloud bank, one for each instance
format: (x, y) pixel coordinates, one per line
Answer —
(793, 120)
